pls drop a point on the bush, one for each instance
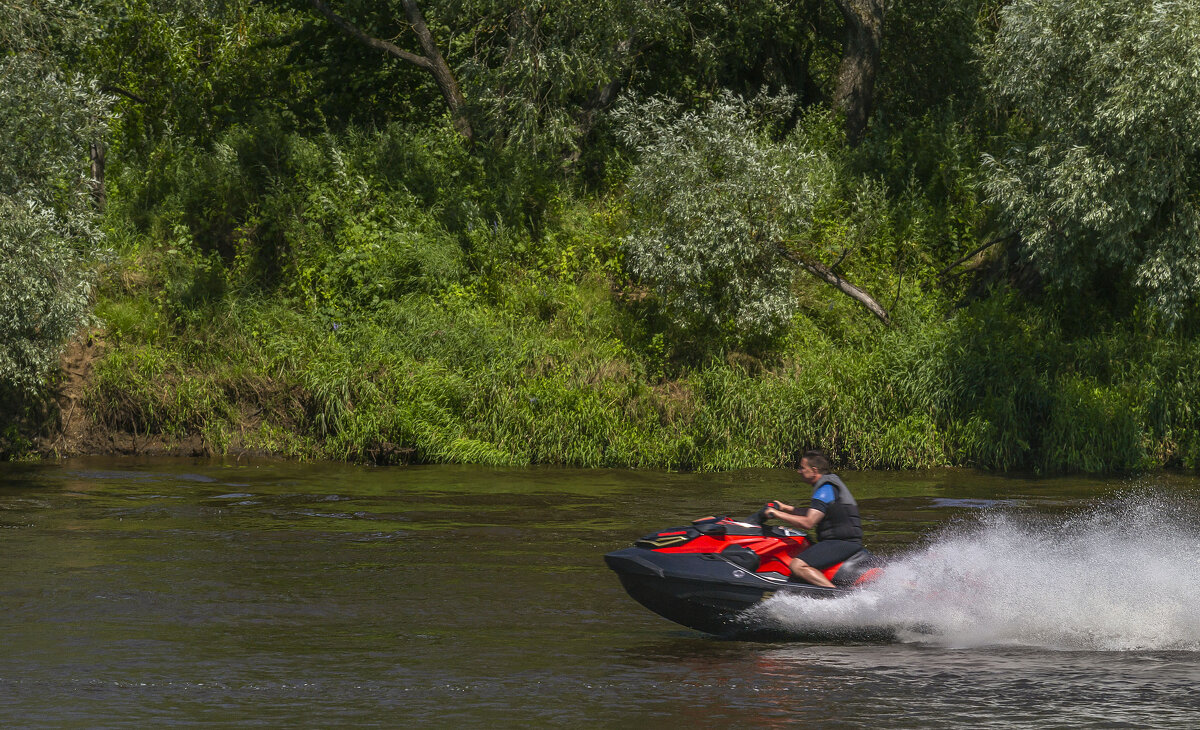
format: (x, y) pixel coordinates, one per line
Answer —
(45, 296)
(47, 229)
(714, 200)
(1103, 188)
(305, 217)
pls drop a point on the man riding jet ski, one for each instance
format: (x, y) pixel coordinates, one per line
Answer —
(832, 511)
(703, 576)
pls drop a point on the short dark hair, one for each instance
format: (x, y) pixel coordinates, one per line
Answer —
(817, 460)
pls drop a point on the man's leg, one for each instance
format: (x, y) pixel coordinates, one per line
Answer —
(808, 574)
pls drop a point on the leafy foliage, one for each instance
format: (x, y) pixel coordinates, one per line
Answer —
(191, 69)
(538, 72)
(714, 200)
(48, 121)
(311, 219)
(44, 295)
(314, 263)
(1109, 178)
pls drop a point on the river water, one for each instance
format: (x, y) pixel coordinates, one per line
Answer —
(139, 593)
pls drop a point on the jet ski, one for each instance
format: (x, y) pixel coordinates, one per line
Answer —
(705, 574)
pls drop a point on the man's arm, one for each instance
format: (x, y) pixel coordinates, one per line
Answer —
(806, 521)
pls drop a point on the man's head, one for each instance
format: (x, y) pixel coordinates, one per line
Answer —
(813, 465)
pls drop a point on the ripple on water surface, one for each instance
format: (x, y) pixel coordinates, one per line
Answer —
(298, 595)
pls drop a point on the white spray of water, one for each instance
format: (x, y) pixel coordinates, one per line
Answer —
(1122, 577)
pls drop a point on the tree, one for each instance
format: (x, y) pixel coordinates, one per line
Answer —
(432, 61)
(542, 74)
(185, 71)
(1108, 176)
(855, 90)
(721, 218)
(49, 120)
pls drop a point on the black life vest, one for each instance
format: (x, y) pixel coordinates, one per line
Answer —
(841, 521)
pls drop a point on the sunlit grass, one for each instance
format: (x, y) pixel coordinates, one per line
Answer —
(427, 379)
(350, 308)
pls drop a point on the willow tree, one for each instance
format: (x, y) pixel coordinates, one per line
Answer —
(1108, 177)
(536, 75)
(49, 120)
(722, 218)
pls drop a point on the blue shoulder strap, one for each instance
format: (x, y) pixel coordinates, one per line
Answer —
(825, 492)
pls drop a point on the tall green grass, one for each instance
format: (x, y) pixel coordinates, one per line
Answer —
(458, 380)
(388, 298)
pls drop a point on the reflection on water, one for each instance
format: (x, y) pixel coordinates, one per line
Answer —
(181, 592)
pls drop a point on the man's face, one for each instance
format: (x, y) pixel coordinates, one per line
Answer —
(807, 472)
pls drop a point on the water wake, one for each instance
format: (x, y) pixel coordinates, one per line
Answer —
(1122, 577)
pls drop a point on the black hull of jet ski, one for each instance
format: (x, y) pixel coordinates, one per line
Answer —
(704, 592)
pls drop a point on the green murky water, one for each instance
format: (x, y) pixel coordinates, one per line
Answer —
(178, 593)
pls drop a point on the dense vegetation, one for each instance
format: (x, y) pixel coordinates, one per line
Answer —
(610, 233)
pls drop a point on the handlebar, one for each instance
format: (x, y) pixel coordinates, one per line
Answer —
(760, 517)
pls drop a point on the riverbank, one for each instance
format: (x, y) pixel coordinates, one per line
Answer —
(674, 239)
(428, 379)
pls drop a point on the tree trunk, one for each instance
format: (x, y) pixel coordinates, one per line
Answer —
(601, 97)
(99, 152)
(860, 64)
(432, 61)
(440, 70)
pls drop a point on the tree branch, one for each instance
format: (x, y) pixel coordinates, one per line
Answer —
(432, 61)
(825, 274)
(380, 45)
(123, 92)
(440, 70)
(975, 253)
